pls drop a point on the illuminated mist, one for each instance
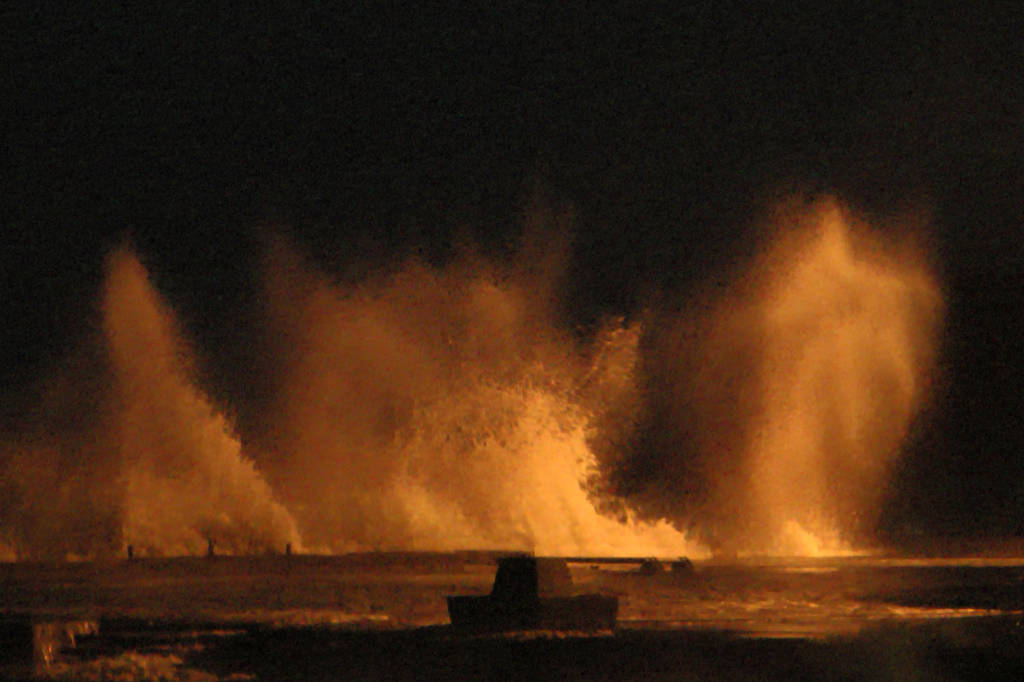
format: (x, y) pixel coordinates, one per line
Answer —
(124, 448)
(783, 403)
(186, 481)
(443, 408)
(846, 364)
(440, 409)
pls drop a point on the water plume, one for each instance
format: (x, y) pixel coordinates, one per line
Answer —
(185, 479)
(837, 403)
(793, 391)
(449, 407)
(58, 470)
(437, 408)
(119, 446)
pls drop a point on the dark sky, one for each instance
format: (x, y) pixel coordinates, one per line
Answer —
(371, 135)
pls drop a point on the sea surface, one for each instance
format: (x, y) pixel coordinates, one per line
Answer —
(167, 618)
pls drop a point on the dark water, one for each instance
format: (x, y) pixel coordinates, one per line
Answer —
(233, 615)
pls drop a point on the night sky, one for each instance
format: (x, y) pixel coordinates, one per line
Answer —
(373, 136)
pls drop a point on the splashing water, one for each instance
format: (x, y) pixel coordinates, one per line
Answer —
(445, 408)
(186, 481)
(848, 345)
(808, 376)
(436, 409)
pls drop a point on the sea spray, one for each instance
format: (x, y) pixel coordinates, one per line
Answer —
(437, 408)
(186, 482)
(849, 328)
(777, 404)
(59, 496)
(450, 407)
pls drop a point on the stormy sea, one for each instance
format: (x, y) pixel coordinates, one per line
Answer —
(383, 616)
(391, 438)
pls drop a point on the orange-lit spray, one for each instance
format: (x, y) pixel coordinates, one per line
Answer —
(444, 408)
(836, 347)
(438, 409)
(186, 481)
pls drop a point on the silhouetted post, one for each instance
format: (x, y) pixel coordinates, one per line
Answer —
(288, 549)
(209, 547)
(131, 552)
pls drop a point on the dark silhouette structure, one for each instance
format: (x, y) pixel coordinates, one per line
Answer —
(533, 593)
